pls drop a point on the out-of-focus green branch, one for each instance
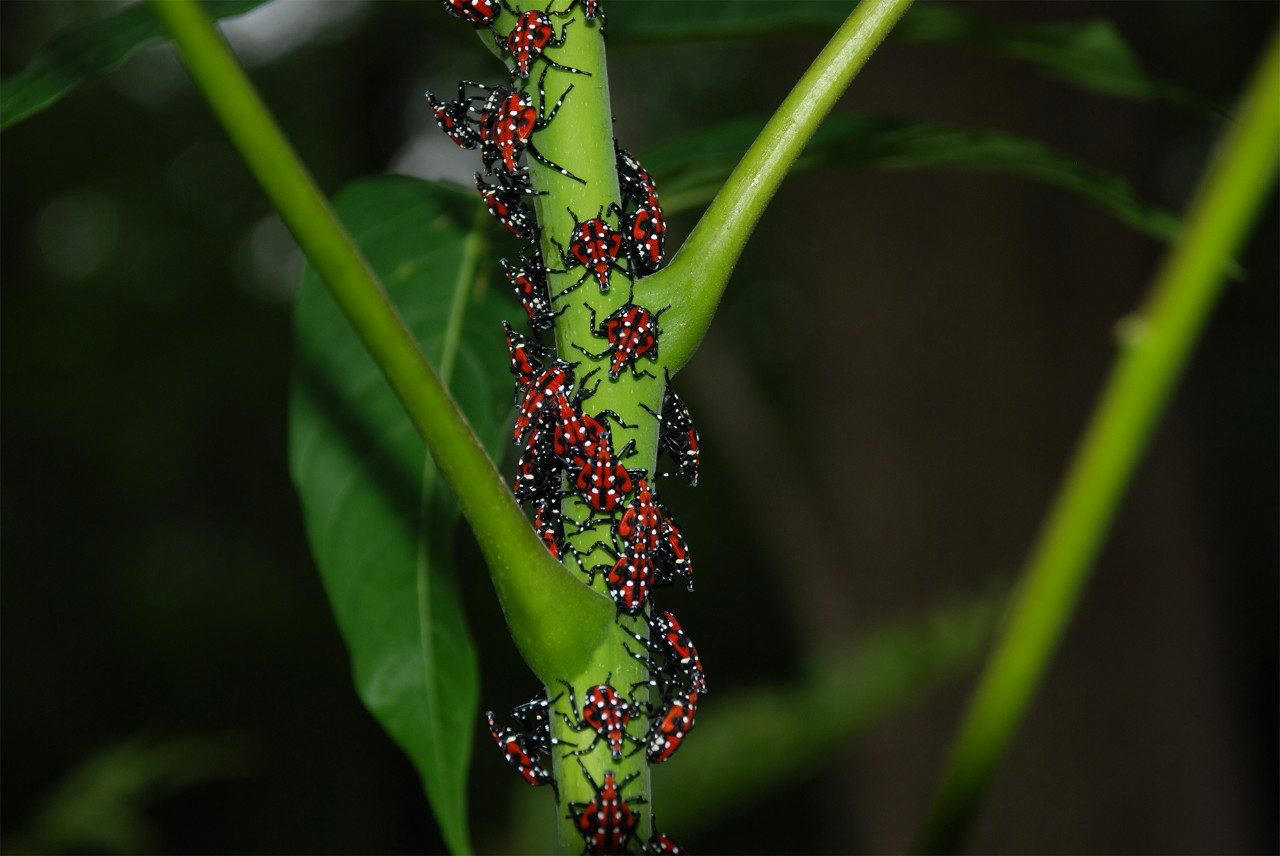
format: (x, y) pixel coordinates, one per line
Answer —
(1155, 352)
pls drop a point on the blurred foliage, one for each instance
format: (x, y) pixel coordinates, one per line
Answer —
(694, 167)
(87, 49)
(102, 806)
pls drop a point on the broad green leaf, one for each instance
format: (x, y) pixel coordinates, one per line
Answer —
(1088, 53)
(86, 50)
(750, 741)
(689, 171)
(379, 521)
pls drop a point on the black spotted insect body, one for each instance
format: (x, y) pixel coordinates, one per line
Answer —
(527, 358)
(604, 712)
(538, 468)
(677, 435)
(455, 119)
(645, 234)
(600, 479)
(519, 753)
(660, 844)
(480, 13)
(506, 202)
(548, 522)
(632, 332)
(596, 247)
(530, 37)
(540, 396)
(529, 281)
(672, 561)
(507, 125)
(640, 523)
(671, 726)
(607, 822)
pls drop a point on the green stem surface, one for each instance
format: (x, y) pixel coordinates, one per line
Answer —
(1156, 350)
(699, 273)
(554, 620)
(580, 138)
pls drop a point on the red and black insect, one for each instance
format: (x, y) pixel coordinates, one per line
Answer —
(640, 522)
(670, 728)
(454, 117)
(505, 201)
(645, 233)
(660, 844)
(672, 561)
(628, 579)
(521, 753)
(634, 181)
(592, 10)
(604, 712)
(632, 333)
(538, 469)
(540, 396)
(607, 821)
(548, 522)
(507, 125)
(527, 358)
(677, 436)
(534, 717)
(481, 13)
(596, 247)
(529, 280)
(600, 480)
(532, 34)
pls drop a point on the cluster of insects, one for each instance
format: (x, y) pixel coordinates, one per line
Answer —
(568, 458)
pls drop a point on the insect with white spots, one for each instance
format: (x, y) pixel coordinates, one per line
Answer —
(607, 822)
(530, 37)
(606, 713)
(507, 125)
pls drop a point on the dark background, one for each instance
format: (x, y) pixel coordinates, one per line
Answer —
(906, 356)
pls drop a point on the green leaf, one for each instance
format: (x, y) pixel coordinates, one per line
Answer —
(88, 49)
(380, 524)
(1088, 53)
(691, 170)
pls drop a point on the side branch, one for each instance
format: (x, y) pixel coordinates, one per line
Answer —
(699, 272)
(553, 618)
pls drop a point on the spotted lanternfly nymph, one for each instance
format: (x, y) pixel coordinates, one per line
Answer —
(660, 844)
(640, 522)
(538, 469)
(595, 247)
(671, 727)
(677, 436)
(520, 753)
(604, 712)
(645, 234)
(529, 280)
(481, 13)
(454, 118)
(599, 479)
(632, 333)
(592, 10)
(529, 39)
(507, 125)
(527, 358)
(558, 377)
(548, 522)
(607, 821)
(505, 202)
(672, 561)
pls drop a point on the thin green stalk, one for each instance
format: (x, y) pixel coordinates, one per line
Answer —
(554, 620)
(698, 274)
(1181, 298)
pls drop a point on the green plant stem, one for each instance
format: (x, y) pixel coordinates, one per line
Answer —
(699, 272)
(580, 138)
(554, 620)
(1156, 351)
